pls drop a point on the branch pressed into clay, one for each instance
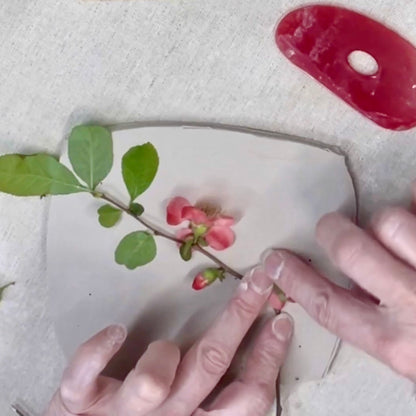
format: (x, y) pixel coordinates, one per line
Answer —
(161, 233)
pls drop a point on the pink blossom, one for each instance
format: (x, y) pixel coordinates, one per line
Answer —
(218, 233)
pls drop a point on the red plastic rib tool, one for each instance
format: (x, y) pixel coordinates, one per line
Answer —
(320, 39)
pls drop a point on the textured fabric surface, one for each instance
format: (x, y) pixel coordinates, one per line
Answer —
(67, 61)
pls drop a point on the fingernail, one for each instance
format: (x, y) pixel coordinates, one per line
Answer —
(116, 334)
(273, 263)
(258, 281)
(283, 326)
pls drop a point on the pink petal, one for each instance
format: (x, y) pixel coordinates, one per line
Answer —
(174, 210)
(183, 233)
(224, 220)
(195, 215)
(220, 238)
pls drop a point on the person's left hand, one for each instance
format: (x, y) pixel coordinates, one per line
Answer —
(163, 384)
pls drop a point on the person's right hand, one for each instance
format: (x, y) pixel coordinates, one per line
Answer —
(164, 384)
(382, 261)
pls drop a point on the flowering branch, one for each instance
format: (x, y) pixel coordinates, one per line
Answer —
(161, 233)
(90, 152)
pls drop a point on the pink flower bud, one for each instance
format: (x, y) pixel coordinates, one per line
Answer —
(206, 278)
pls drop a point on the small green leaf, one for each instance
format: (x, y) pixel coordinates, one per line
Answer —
(139, 168)
(136, 249)
(136, 209)
(202, 242)
(3, 288)
(108, 216)
(36, 175)
(186, 250)
(211, 274)
(90, 150)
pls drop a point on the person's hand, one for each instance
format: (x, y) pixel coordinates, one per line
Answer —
(163, 384)
(382, 261)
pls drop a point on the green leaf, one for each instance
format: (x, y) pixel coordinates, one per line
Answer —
(139, 168)
(3, 288)
(108, 216)
(186, 250)
(211, 274)
(136, 209)
(90, 150)
(136, 249)
(36, 175)
(202, 242)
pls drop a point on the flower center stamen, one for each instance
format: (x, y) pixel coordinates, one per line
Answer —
(212, 210)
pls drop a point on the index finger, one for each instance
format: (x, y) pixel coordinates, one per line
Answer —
(356, 321)
(207, 360)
